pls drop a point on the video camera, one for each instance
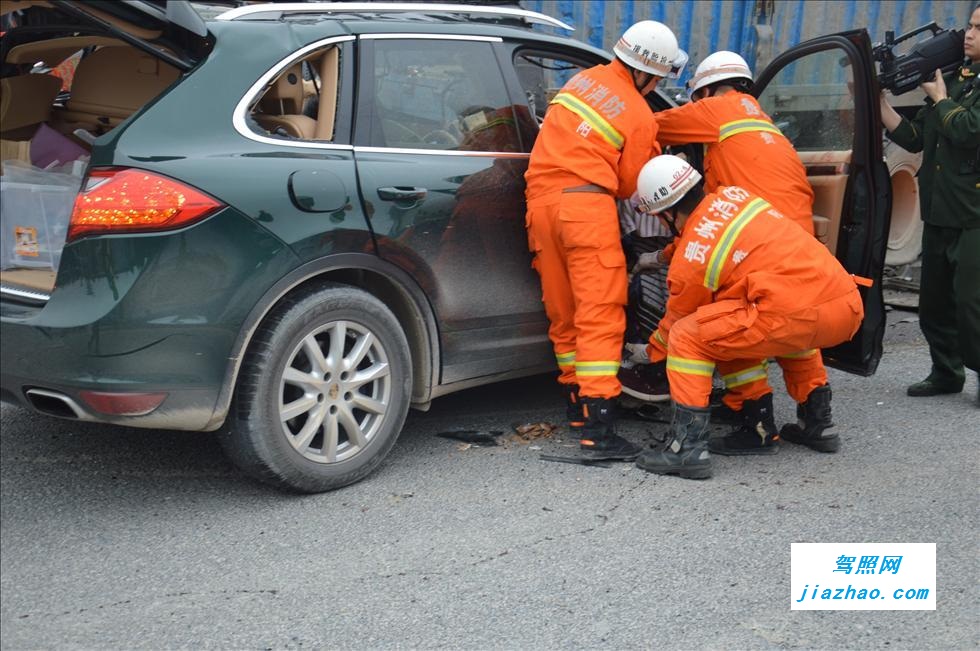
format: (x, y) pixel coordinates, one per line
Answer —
(941, 51)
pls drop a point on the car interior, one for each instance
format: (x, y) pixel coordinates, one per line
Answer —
(58, 95)
(295, 105)
(110, 82)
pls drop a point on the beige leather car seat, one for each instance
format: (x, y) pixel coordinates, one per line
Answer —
(111, 84)
(25, 102)
(282, 106)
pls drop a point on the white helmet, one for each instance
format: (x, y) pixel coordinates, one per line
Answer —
(718, 67)
(651, 47)
(664, 181)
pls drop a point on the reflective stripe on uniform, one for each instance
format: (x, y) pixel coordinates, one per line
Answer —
(565, 359)
(730, 129)
(596, 369)
(712, 272)
(590, 115)
(800, 355)
(690, 366)
(660, 338)
(958, 109)
(745, 376)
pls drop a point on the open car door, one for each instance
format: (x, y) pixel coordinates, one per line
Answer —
(823, 95)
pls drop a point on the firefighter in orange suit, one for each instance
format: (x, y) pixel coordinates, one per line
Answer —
(745, 284)
(744, 148)
(596, 136)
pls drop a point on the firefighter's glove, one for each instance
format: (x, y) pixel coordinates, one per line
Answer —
(636, 353)
(649, 262)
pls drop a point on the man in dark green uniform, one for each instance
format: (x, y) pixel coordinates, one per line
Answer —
(947, 132)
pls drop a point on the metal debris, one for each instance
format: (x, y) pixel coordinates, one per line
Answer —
(582, 461)
(480, 437)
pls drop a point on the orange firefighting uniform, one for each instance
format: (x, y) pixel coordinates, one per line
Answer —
(597, 134)
(747, 284)
(745, 149)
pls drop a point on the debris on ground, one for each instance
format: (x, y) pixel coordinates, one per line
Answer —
(531, 431)
(900, 286)
(472, 436)
(902, 300)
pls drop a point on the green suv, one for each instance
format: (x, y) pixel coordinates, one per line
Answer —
(297, 221)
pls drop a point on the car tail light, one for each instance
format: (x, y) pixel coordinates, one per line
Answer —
(134, 201)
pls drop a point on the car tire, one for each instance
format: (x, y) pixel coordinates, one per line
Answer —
(312, 422)
(905, 232)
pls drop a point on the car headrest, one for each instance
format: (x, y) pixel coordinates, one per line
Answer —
(286, 95)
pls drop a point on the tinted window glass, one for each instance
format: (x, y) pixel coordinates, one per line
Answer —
(542, 76)
(811, 102)
(445, 95)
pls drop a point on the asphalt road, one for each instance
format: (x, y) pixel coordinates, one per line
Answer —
(125, 539)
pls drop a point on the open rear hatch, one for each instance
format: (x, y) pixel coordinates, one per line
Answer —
(70, 72)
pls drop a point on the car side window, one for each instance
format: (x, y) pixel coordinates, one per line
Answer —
(440, 95)
(811, 102)
(542, 75)
(300, 103)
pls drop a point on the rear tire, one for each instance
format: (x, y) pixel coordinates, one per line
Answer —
(323, 391)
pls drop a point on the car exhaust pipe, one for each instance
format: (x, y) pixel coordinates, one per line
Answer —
(57, 404)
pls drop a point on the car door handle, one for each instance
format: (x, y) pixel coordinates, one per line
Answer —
(402, 194)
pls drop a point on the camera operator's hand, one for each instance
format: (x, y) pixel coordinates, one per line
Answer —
(935, 89)
(889, 116)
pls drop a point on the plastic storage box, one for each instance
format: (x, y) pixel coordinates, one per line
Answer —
(34, 217)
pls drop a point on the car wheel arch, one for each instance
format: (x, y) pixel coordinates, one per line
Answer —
(396, 289)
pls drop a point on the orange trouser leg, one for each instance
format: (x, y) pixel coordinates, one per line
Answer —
(803, 372)
(689, 366)
(583, 274)
(693, 352)
(589, 228)
(556, 290)
(745, 379)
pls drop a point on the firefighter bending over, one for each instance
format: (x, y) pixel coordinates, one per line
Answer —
(745, 283)
(745, 149)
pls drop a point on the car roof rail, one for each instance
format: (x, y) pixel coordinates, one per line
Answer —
(276, 11)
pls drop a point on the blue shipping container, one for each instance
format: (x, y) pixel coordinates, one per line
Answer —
(705, 26)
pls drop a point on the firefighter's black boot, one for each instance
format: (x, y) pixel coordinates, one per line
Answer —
(724, 414)
(598, 435)
(813, 419)
(755, 435)
(685, 452)
(573, 409)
